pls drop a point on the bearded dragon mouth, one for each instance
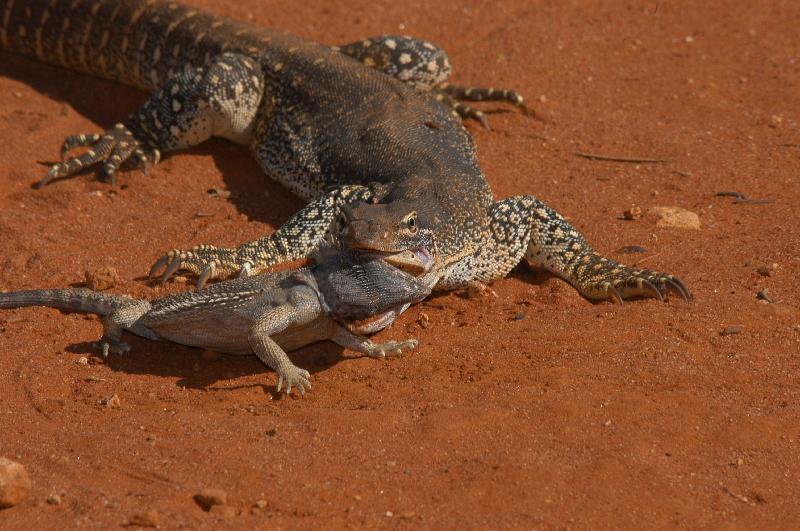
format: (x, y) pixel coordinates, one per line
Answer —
(415, 262)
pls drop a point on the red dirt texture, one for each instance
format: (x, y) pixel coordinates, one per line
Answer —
(529, 407)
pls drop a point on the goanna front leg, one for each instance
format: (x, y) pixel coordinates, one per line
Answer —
(524, 226)
(298, 238)
(426, 67)
(219, 99)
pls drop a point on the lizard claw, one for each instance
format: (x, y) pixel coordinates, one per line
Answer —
(107, 344)
(294, 376)
(625, 283)
(391, 348)
(112, 148)
(206, 261)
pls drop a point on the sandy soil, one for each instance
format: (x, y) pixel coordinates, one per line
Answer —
(534, 408)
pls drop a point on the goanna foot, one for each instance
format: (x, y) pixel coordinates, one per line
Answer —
(206, 261)
(112, 148)
(294, 376)
(391, 348)
(453, 96)
(107, 344)
(622, 283)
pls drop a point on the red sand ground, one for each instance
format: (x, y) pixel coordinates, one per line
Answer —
(580, 415)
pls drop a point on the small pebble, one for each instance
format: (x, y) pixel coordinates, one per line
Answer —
(83, 360)
(519, 317)
(102, 279)
(764, 295)
(423, 320)
(731, 330)
(14, 483)
(111, 402)
(225, 511)
(208, 498)
(54, 499)
(676, 218)
(146, 519)
(260, 504)
(219, 192)
(634, 212)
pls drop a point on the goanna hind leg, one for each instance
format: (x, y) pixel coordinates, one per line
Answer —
(426, 67)
(525, 227)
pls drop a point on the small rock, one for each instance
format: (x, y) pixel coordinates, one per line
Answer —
(208, 498)
(54, 499)
(111, 402)
(731, 330)
(14, 483)
(225, 511)
(102, 279)
(763, 295)
(219, 192)
(634, 212)
(146, 519)
(83, 360)
(272, 432)
(676, 217)
(260, 505)
(423, 320)
(519, 317)
(479, 289)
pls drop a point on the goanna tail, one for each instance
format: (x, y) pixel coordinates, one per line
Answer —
(75, 299)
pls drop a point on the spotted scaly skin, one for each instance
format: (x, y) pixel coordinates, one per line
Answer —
(368, 125)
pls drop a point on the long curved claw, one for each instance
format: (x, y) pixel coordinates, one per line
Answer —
(614, 294)
(674, 284)
(207, 274)
(653, 290)
(160, 263)
(172, 267)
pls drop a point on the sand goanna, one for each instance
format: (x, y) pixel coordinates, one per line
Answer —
(371, 128)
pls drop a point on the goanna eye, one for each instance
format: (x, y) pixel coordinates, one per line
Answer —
(412, 222)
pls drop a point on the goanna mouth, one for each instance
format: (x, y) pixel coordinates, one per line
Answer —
(415, 262)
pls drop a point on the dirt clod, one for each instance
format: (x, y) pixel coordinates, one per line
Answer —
(14, 483)
(208, 498)
(145, 519)
(111, 402)
(102, 278)
(676, 218)
(423, 320)
(731, 330)
(633, 213)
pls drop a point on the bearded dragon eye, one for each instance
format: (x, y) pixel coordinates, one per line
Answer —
(412, 222)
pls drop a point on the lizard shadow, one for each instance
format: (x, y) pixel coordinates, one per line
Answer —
(194, 371)
(79, 92)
